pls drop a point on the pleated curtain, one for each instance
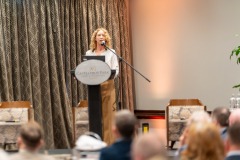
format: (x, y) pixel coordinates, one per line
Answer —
(41, 41)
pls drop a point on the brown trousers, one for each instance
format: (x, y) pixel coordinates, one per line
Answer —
(108, 109)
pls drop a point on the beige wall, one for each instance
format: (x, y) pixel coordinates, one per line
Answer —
(183, 47)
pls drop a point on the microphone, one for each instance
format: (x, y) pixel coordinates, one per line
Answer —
(103, 43)
(72, 71)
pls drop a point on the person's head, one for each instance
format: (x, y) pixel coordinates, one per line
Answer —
(220, 116)
(203, 142)
(147, 146)
(124, 124)
(234, 117)
(233, 138)
(198, 116)
(98, 36)
(31, 136)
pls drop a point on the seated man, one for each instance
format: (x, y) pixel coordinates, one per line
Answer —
(220, 116)
(196, 117)
(123, 130)
(233, 142)
(30, 141)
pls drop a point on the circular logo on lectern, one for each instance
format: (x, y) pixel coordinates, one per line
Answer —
(92, 72)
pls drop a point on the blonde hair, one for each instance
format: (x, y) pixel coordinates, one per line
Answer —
(203, 143)
(93, 44)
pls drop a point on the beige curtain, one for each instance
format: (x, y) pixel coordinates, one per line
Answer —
(41, 41)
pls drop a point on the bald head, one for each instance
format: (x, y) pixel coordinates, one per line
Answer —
(147, 146)
(234, 117)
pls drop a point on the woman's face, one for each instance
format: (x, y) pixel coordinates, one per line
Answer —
(100, 36)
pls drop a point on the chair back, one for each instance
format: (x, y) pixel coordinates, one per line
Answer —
(177, 114)
(19, 111)
(12, 115)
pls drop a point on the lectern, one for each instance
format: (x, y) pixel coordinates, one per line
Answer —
(93, 73)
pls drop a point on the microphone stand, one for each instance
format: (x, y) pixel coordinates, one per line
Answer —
(120, 79)
(122, 59)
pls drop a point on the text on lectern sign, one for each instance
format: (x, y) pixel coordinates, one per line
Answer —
(92, 72)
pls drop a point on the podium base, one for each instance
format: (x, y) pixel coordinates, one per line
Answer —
(95, 109)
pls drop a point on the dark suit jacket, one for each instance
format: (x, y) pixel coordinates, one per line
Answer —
(233, 157)
(119, 150)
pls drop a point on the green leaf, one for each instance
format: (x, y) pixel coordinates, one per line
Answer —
(233, 51)
(237, 52)
(236, 86)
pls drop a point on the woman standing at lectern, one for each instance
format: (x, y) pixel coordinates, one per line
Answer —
(108, 94)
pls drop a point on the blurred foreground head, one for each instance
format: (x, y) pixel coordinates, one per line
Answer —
(199, 116)
(31, 136)
(196, 117)
(234, 117)
(233, 139)
(220, 116)
(124, 124)
(203, 142)
(148, 146)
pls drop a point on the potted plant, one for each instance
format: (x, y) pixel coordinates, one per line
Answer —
(236, 52)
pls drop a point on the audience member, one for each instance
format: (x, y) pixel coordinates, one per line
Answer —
(30, 141)
(233, 142)
(203, 142)
(148, 146)
(234, 117)
(198, 116)
(220, 116)
(123, 128)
